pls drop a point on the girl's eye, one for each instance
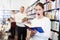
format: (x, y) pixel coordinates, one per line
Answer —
(38, 9)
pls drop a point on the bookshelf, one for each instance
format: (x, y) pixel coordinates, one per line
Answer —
(53, 12)
(4, 14)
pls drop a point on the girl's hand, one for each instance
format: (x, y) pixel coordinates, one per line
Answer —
(33, 32)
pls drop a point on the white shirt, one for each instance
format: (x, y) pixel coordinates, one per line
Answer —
(46, 26)
(18, 18)
(13, 16)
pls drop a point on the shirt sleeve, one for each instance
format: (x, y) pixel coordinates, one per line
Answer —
(47, 30)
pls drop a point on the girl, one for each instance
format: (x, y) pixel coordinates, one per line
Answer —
(42, 22)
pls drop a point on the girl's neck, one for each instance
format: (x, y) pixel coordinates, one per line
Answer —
(40, 17)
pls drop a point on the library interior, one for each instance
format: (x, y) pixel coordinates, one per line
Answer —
(29, 19)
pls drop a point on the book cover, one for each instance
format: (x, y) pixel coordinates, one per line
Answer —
(39, 29)
(55, 36)
(53, 5)
(57, 15)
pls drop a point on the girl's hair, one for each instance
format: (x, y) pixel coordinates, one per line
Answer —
(42, 6)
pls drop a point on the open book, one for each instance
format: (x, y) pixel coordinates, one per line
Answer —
(39, 29)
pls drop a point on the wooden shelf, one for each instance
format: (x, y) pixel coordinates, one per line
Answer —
(54, 31)
(52, 10)
(49, 2)
(54, 20)
(46, 3)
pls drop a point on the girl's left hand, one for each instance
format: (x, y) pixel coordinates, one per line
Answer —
(33, 32)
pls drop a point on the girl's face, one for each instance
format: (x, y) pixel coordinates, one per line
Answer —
(39, 10)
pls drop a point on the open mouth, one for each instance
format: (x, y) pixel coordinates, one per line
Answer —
(38, 14)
